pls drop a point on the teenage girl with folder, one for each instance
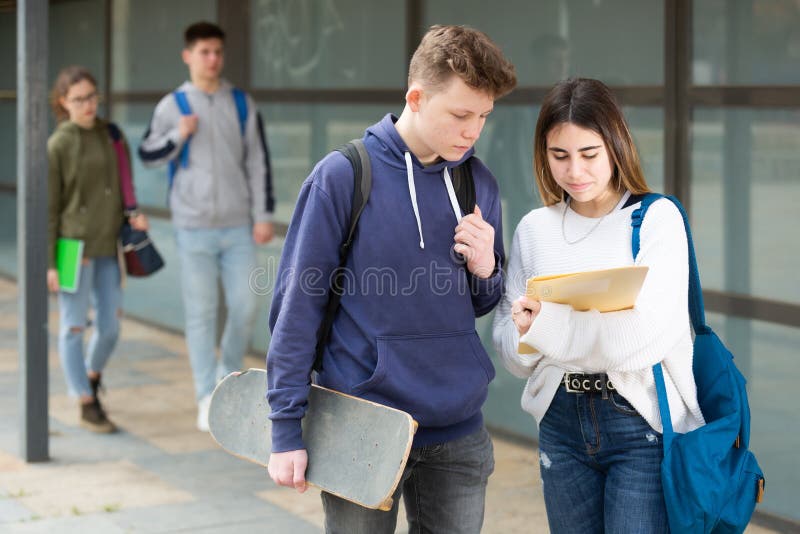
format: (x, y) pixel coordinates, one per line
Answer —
(590, 385)
(85, 203)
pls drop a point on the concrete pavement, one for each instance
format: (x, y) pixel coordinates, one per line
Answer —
(159, 474)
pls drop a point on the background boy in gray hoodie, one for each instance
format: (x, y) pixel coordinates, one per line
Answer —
(220, 195)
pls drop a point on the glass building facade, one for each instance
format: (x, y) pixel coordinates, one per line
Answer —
(711, 89)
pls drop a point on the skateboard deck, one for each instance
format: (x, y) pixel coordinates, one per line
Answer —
(357, 449)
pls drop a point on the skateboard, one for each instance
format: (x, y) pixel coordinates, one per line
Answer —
(357, 449)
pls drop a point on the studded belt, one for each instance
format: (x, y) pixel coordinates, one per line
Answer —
(587, 383)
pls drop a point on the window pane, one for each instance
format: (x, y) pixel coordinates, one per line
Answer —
(617, 41)
(753, 42)
(744, 185)
(347, 43)
(8, 141)
(299, 135)
(8, 234)
(148, 39)
(506, 147)
(151, 183)
(76, 37)
(8, 50)
(767, 356)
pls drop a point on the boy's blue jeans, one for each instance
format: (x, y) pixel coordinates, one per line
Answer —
(600, 465)
(443, 488)
(99, 286)
(207, 254)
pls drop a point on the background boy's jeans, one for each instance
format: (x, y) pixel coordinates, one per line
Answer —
(600, 465)
(206, 254)
(99, 286)
(443, 488)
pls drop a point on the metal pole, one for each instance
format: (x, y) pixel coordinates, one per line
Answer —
(677, 82)
(32, 29)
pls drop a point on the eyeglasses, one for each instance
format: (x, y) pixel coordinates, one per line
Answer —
(83, 100)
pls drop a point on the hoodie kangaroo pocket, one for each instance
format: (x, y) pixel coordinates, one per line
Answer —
(440, 379)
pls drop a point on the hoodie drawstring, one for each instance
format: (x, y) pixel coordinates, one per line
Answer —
(448, 183)
(412, 191)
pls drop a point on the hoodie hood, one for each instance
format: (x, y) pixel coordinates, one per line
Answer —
(395, 153)
(224, 87)
(394, 148)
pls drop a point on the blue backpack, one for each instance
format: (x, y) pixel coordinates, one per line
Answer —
(711, 480)
(182, 159)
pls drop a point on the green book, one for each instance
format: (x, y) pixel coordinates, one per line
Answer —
(69, 254)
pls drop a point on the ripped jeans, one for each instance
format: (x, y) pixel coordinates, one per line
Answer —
(600, 465)
(99, 286)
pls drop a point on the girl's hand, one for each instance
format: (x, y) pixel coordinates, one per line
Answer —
(52, 281)
(523, 312)
(139, 222)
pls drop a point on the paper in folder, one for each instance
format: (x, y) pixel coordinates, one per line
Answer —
(604, 290)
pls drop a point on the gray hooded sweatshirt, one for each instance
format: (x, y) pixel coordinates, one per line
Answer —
(228, 180)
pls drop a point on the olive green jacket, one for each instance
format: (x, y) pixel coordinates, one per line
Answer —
(85, 201)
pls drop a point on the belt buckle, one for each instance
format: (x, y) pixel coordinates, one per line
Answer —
(573, 383)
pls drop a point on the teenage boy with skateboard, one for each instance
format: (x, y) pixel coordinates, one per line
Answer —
(410, 344)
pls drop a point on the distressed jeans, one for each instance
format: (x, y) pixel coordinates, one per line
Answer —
(600, 465)
(99, 286)
(207, 254)
(443, 488)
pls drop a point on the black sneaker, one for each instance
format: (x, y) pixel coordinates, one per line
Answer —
(94, 418)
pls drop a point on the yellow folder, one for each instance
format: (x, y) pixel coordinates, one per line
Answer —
(604, 290)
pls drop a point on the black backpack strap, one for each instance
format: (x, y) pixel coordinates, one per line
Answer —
(464, 186)
(114, 132)
(358, 156)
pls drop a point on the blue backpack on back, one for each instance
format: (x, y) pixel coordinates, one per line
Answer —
(711, 480)
(239, 98)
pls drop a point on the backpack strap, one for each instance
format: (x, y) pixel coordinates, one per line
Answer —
(183, 157)
(240, 99)
(696, 310)
(356, 153)
(123, 168)
(464, 186)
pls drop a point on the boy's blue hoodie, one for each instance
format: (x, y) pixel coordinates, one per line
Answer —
(404, 335)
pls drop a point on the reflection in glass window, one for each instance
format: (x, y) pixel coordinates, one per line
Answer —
(8, 50)
(618, 41)
(767, 356)
(299, 135)
(744, 185)
(151, 183)
(328, 43)
(8, 142)
(148, 39)
(76, 37)
(8, 234)
(754, 42)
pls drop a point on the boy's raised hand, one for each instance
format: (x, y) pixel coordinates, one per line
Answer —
(474, 239)
(187, 125)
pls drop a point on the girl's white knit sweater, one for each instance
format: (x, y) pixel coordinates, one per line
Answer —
(624, 344)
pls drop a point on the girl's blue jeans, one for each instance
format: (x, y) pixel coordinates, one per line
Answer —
(99, 287)
(600, 465)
